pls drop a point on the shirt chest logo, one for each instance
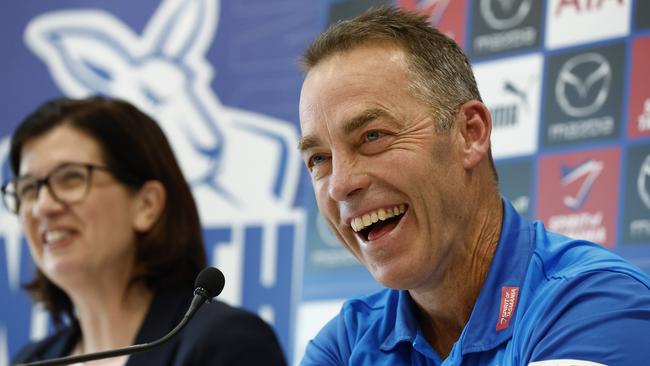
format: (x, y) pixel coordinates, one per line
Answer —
(509, 296)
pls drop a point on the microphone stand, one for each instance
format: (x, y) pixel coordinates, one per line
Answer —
(200, 296)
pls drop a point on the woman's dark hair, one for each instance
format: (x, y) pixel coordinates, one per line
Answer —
(135, 150)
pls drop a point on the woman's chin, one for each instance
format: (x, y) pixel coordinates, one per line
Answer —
(64, 273)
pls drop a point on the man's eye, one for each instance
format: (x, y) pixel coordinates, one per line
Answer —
(316, 159)
(373, 135)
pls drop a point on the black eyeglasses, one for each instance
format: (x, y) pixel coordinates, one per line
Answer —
(68, 183)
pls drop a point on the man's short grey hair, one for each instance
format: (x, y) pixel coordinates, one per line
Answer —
(441, 74)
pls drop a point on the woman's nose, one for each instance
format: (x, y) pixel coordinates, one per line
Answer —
(45, 202)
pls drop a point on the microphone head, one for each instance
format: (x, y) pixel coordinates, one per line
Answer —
(211, 279)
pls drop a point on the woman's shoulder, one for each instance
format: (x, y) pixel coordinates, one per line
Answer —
(230, 335)
(57, 344)
(217, 315)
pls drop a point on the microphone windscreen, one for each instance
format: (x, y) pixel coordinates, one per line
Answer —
(212, 280)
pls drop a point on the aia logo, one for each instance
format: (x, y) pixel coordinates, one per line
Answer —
(580, 6)
(571, 22)
(583, 176)
(583, 84)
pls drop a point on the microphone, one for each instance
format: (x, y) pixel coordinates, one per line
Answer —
(209, 283)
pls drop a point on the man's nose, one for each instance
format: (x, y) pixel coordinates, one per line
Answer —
(347, 178)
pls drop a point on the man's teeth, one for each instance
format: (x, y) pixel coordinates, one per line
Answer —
(362, 222)
(52, 236)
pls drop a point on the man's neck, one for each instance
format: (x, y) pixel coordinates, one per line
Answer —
(445, 307)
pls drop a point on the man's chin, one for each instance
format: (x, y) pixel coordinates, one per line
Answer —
(393, 279)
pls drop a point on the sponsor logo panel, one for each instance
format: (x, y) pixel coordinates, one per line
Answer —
(511, 89)
(515, 178)
(328, 265)
(447, 15)
(636, 222)
(642, 14)
(502, 26)
(578, 197)
(583, 95)
(571, 22)
(324, 251)
(639, 105)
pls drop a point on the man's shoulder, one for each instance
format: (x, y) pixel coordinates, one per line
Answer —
(362, 326)
(375, 303)
(375, 313)
(558, 257)
(593, 313)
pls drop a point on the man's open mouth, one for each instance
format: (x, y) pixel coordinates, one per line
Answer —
(374, 224)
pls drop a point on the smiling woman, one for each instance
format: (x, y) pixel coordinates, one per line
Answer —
(115, 235)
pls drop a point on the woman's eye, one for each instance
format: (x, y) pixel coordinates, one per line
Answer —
(373, 135)
(27, 190)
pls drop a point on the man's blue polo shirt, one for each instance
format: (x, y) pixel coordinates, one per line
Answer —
(546, 297)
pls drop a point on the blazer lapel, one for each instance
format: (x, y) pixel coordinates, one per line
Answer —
(165, 312)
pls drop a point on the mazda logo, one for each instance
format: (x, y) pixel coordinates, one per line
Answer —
(601, 74)
(517, 13)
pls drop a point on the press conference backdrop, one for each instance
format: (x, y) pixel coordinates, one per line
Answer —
(566, 81)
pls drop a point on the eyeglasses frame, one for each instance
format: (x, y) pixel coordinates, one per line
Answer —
(45, 181)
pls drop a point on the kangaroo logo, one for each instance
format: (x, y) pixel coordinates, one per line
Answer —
(243, 167)
(237, 161)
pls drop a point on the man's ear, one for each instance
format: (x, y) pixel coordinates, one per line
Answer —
(150, 202)
(475, 124)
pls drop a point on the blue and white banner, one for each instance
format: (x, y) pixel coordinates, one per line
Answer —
(566, 81)
(222, 80)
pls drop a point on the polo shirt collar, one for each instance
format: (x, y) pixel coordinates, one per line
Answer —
(505, 279)
(508, 270)
(403, 326)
